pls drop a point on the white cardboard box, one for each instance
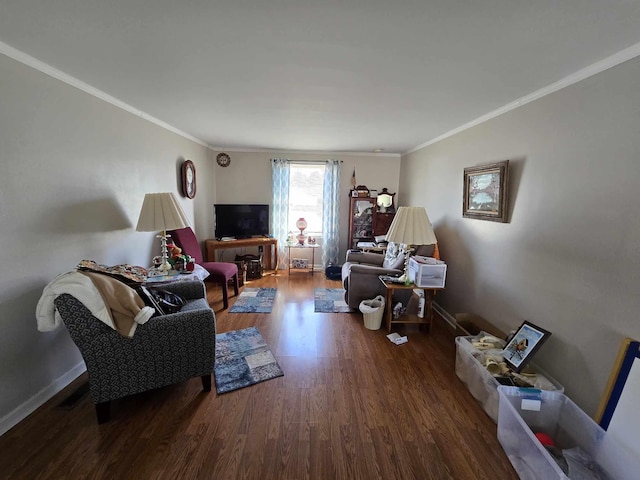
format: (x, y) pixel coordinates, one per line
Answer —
(425, 275)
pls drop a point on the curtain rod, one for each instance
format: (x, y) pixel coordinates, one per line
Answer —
(318, 162)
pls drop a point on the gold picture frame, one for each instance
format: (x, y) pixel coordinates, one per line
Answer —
(486, 192)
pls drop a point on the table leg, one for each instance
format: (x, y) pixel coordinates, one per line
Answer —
(267, 256)
(429, 298)
(389, 307)
(275, 256)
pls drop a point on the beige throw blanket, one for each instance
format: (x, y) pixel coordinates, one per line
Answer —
(108, 299)
(126, 307)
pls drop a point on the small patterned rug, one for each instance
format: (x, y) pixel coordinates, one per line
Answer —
(254, 300)
(330, 300)
(243, 358)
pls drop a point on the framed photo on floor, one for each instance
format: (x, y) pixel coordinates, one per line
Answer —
(523, 345)
(485, 192)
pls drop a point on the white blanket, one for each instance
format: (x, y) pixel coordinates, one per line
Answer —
(83, 289)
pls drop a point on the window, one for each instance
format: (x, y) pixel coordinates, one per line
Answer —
(305, 197)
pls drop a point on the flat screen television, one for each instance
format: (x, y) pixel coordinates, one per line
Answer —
(241, 220)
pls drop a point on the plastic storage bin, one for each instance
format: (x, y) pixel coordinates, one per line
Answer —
(567, 425)
(480, 383)
(372, 311)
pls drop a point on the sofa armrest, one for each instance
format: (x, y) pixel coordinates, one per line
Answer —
(356, 256)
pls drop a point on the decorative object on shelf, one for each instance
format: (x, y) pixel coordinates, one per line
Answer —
(486, 192)
(188, 179)
(353, 179)
(384, 200)
(411, 226)
(301, 225)
(362, 190)
(223, 159)
(524, 343)
(161, 212)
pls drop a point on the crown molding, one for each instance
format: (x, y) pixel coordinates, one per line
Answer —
(47, 69)
(593, 69)
(272, 151)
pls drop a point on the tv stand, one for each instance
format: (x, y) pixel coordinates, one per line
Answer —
(211, 246)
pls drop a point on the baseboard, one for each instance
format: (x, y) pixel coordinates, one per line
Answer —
(445, 315)
(27, 408)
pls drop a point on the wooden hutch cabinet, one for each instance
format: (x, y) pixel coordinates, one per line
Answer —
(368, 220)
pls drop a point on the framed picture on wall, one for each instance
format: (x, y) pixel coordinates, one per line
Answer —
(485, 192)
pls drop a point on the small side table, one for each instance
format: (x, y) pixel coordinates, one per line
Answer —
(429, 293)
(313, 255)
(199, 273)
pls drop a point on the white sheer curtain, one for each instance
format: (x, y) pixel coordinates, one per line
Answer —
(331, 213)
(280, 208)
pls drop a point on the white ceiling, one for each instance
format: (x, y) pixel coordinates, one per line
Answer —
(319, 75)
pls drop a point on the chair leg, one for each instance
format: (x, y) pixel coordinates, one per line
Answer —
(206, 383)
(225, 295)
(103, 411)
(235, 284)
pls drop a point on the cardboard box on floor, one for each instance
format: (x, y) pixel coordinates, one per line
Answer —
(470, 324)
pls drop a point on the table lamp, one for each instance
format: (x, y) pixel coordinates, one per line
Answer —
(411, 226)
(161, 212)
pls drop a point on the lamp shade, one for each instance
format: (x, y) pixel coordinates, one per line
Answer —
(161, 211)
(411, 226)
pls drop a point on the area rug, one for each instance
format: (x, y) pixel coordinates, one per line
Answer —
(330, 300)
(254, 300)
(243, 358)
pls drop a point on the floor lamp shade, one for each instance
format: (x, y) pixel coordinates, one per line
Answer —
(161, 211)
(411, 226)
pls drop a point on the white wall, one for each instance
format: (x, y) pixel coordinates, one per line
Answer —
(569, 260)
(74, 173)
(248, 180)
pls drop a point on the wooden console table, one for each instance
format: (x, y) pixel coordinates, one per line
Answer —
(212, 245)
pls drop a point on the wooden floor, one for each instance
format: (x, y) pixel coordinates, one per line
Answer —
(351, 405)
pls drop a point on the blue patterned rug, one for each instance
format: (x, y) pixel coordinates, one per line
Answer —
(243, 358)
(254, 300)
(330, 300)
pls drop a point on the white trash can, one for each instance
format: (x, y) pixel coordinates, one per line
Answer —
(372, 310)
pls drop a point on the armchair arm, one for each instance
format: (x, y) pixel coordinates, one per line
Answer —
(372, 270)
(189, 290)
(365, 257)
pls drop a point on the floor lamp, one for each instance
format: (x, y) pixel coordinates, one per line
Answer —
(161, 212)
(411, 226)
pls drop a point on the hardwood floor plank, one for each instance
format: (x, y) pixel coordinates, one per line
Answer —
(351, 405)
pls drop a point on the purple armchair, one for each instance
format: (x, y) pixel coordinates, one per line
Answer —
(220, 272)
